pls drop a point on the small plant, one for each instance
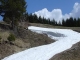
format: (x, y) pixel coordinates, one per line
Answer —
(11, 37)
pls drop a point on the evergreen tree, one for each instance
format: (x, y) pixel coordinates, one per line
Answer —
(78, 22)
(40, 19)
(63, 22)
(12, 9)
(75, 22)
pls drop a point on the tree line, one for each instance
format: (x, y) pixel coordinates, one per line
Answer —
(70, 22)
(34, 19)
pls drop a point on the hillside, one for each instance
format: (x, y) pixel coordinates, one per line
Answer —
(31, 39)
(71, 54)
(65, 39)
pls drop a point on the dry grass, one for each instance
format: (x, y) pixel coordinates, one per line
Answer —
(36, 39)
(51, 26)
(32, 39)
(5, 50)
(4, 34)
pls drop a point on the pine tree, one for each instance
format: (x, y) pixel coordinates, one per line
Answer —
(12, 9)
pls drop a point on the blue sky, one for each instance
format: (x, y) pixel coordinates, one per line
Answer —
(54, 9)
(65, 5)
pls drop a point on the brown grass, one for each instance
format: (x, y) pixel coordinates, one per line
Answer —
(31, 39)
(51, 26)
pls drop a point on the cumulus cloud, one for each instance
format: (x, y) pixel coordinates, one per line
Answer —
(57, 13)
(76, 10)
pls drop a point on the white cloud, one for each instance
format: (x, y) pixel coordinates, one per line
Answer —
(57, 13)
(76, 10)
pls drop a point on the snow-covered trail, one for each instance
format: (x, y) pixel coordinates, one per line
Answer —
(65, 39)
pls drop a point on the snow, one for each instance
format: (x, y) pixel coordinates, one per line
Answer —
(65, 38)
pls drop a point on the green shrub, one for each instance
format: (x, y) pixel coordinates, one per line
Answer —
(11, 37)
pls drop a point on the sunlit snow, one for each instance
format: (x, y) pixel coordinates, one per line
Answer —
(65, 38)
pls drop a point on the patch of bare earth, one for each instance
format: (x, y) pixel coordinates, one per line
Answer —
(71, 54)
(24, 40)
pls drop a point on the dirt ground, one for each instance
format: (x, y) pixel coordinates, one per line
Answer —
(31, 39)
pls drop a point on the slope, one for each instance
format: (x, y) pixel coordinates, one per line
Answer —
(65, 38)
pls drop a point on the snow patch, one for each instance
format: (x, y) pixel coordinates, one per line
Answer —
(65, 39)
